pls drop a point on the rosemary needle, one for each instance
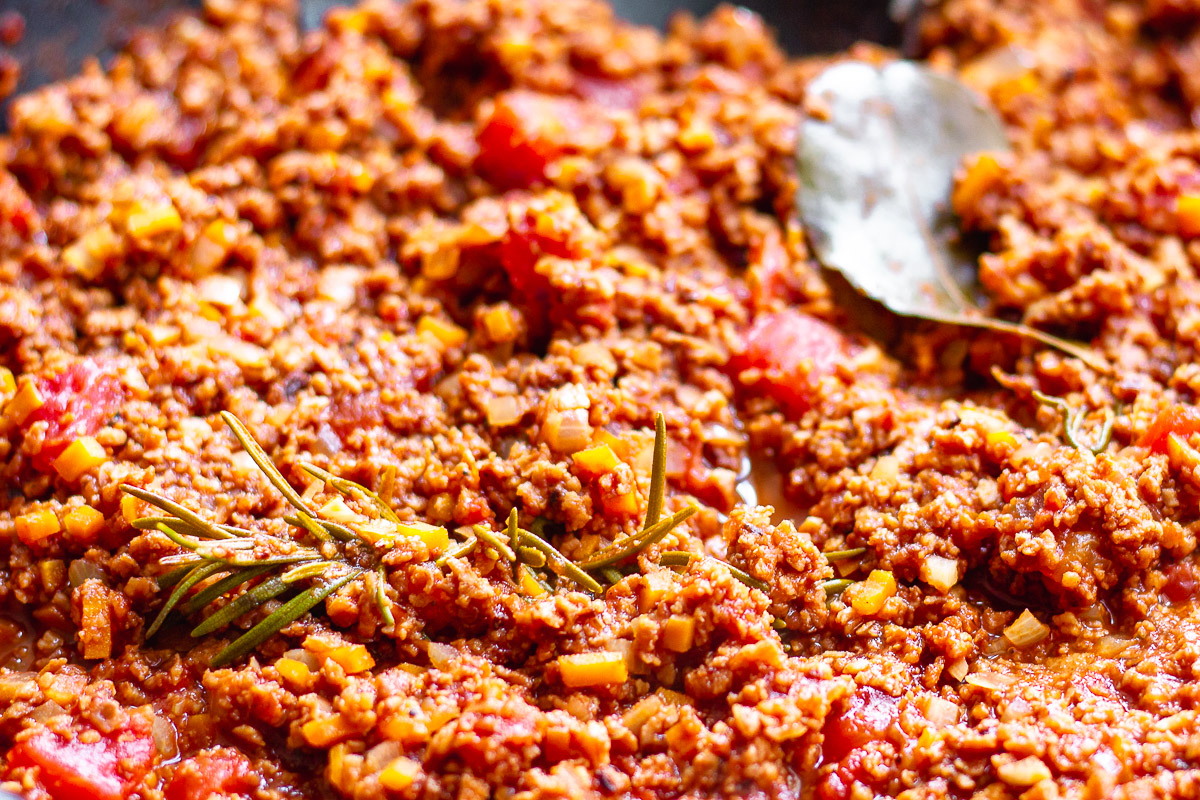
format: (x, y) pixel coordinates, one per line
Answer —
(223, 587)
(194, 576)
(836, 586)
(283, 616)
(244, 604)
(493, 541)
(560, 563)
(658, 473)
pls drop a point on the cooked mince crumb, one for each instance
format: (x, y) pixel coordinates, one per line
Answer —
(448, 249)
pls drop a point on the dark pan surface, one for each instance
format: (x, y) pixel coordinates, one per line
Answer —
(60, 34)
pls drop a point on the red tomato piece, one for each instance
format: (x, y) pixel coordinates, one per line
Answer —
(1182, 421)
(525, 132)
(75, 770)
(1182, 581)
(76, 402)
(865, 720)
(793, 350)
(217, 773)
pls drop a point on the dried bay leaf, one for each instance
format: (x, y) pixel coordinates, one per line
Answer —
(876, 170)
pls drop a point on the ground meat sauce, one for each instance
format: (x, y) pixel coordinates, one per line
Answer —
(447, 246)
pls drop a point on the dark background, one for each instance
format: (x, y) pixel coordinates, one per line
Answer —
(60, 34)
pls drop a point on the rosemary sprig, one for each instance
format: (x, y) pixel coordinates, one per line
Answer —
(1072, 419)
(220, 560)
(230, 571)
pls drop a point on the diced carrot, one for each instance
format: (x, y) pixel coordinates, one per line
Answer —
(8, 384)
(83, 523)
(147, 220)
(593, 669)
(400, 773)
(26, 401)
(95, 628)
(353, 658)
(80, 457)
(869, 596)
(529, 584)
(295, 673)
(1188, 209)
(436, 538)
(984, 173)
(441, 330)
(679, 633)
(326, 731)
(34, 526)
(596, 460)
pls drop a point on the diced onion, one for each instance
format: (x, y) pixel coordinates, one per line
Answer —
(166, 740)
(381, 755)
(503, 411)
(1112, 646)
(441, 655)
(1027, 630)
(958, 669)
(16, 686)
(47, 711)
(941, 711)
(220, 290)
(83, 570)
(567, 431)
(940, 572)
(990, 680)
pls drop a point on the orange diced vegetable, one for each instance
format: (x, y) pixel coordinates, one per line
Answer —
(1001, 439)
(869, 596)
(530, 585)
(295, 673)
(500, 324)
(596, 460)
(679, 633)
(26, 401)
(131, 509)
(621, 504)
(34, 526)
(353, 658)
(400, 773)
(83, 523)
(979, 177)
(436, 538)
(8, 384)
(81, 456)
(593, 669)
(1188, 209)
(95, 629)
(326, 731)
(150, 220)
(442, 330)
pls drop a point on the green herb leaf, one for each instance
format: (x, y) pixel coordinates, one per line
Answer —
(285, 615)
(194, 576)
(244, 604)
(876, 173)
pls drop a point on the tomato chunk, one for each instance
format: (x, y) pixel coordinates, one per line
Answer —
(866, 719)
(217, 773)
(75, 770)
(794, 351)
(1182, 581)
(76, 402)
(1182, 421)
(525, 132)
